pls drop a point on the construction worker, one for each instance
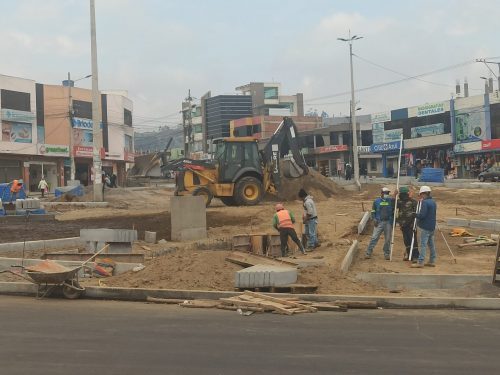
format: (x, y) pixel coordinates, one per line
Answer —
(283, 222)
(310, 220)
(426, 221)
(382, 215)
(15, 188)
(407, 208)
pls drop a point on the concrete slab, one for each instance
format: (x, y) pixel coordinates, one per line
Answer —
(363, 222)
(413, 281)
(349, 257)
(150, 237)
(108, 235)
(22, 218)
(74, 204)
(58, 243)
(188, 218)
(491, 225)
(261, 276)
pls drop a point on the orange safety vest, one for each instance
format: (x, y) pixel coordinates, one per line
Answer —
(15, 188)
(284, 219)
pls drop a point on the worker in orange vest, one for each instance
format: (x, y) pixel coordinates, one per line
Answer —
(283, 221)
(15, 188)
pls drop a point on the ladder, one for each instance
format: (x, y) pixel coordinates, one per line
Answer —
(496, 269)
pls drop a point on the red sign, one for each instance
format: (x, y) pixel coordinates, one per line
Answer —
(492, 144)
(83, 151)
(332, 148)
(129, 156)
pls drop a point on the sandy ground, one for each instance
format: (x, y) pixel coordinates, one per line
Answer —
(193, 266)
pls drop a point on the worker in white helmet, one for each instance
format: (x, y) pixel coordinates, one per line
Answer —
(426, 221)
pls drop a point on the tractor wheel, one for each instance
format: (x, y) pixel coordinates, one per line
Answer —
(248, 191)
(228, 201)
(205, 193)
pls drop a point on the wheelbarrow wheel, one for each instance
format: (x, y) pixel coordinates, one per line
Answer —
(72, 290)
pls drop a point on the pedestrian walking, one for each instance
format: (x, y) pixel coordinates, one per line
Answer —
(407, 208)
(283, 221)
(426, 221)
(348, 171)
(113, 180)
(310, 220)
(43, 186)
(382, 215)
(15, 188)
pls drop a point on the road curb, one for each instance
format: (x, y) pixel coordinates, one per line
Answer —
(349, 257)
(140, 294)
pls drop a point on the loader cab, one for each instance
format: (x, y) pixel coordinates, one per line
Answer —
(236, 156)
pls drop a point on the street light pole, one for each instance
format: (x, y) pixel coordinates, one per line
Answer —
(353, 110)
(96, 113)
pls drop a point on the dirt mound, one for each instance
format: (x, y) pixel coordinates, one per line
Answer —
(184, 269)
(314, 183)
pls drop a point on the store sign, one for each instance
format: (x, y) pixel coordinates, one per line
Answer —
(13, 115)
(427, 130)
(430, 109)
(82, 137)
(53, 150)
(364, 150)
(389, 146)
(380, 117)
(467, 147)
(392, 135)
(332, 148)
(493, 144)
(83, 151)
(82, 123)
(18, 132)
(470, 125)
(129, 156)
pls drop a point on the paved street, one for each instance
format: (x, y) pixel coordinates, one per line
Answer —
(99, 337)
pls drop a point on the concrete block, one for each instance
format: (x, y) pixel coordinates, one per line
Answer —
(349, 257)
(418, 281)
(261, 276)
(363, 222)
(108, 235)
(188, 218)
(58, 243)
(150, 237)
(19, 204)
(491, 225)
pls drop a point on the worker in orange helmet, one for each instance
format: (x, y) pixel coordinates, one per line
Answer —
(283, 221)
(15, 188)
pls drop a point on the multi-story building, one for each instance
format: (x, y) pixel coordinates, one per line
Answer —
(37, 137)
(221, 109)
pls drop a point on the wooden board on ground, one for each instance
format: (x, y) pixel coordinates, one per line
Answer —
(356, 304)
(169, 301)
(478, 243)
(295, 289)
(200, 303)
(249, 260)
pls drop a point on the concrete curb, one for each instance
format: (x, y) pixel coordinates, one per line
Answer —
(126, 294)
(418, 281)
(349, 257)
(363, 222)
(58, 243)
(74, 204)
(491, 225)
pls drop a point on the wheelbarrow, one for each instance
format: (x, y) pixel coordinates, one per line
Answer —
(49, 275)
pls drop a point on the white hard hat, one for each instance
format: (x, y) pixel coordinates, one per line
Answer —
(386, 190)
(424, 189)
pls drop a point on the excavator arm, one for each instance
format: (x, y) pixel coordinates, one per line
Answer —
(284, 139)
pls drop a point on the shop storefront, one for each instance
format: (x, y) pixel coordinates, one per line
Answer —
(331, 160)
(475, 157)
(390, 154)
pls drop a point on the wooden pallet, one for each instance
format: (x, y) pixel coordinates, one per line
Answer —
(496, 268)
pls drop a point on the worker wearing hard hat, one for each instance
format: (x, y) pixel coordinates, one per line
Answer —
(15, 188)
(382, 215)
(426, 221)
(407, 208)
(283, 221)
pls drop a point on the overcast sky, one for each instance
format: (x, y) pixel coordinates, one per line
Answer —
(158, 49)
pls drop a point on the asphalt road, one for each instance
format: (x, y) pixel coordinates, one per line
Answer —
(107, 337)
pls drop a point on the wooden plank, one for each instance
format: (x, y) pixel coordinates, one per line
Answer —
(261, 304)
(478, 243)
(200, 303)
(279, 300)
(329, 307)
(234, 308)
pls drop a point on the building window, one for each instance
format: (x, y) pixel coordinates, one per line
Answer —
(82, 109)
(334, 138)
(127, 117)
(270, 93)
(290, 106)
(18, 101)
(128, 143)
(373, 165)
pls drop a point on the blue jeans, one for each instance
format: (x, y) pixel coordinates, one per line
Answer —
(427, 238)
(312, 237)
(386, 227)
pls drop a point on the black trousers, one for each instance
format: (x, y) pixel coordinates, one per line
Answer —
(284, 233)
(407, 231)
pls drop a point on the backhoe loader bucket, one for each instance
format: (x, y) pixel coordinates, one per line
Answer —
(291, 169)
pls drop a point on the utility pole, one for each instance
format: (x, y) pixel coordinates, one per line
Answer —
(96, 113)
(353, 111)
(187, 124)
(70, 116)
(492, 62)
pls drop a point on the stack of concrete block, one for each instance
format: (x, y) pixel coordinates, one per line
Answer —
(119, 240)
(263, 276)
(28, 204)
(188, 218)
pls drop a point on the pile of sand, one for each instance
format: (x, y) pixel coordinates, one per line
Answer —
(314, 183)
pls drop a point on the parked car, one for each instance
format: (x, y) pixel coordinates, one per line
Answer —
(492, 173)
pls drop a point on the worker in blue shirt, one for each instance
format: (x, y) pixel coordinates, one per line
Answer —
(426, 221)
(382, 215)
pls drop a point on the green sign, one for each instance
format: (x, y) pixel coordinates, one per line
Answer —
(430, 109)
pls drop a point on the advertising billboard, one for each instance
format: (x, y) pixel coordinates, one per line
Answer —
(427, 130)
(470, 125)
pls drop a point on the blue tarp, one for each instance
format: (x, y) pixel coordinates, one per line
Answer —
(5, 192)
(76, 191)
(432, 175)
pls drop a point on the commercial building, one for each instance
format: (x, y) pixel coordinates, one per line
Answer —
(37, 137)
